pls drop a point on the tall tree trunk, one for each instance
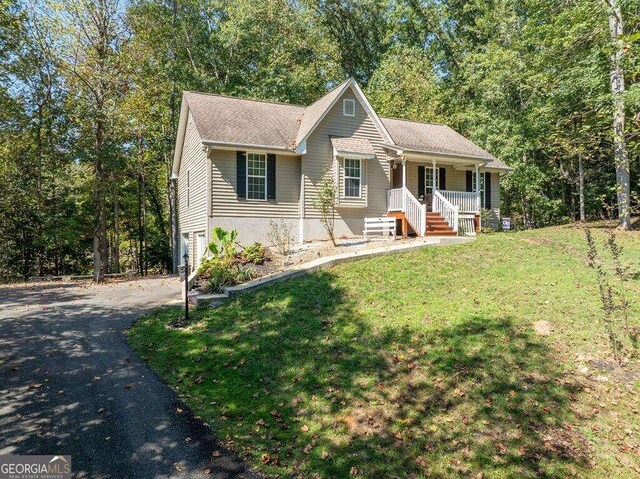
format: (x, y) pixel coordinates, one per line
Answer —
(171, 183)
(617, 89)
(116, 234)
(100, 214)
(583, 216)
(140, 226)
(175, 231)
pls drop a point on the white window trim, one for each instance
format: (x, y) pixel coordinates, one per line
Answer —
(266, 185)
(345, 178)
(344, 107)
(429, 184)
(482, 187)
(188, 188)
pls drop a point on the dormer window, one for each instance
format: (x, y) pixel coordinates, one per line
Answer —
(349, 107)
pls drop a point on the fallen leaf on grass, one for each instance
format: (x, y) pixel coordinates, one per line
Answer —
(216, 454)
(304, 428)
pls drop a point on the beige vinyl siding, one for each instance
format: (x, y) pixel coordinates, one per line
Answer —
(319, 157)
(495, 200)
(225, 201)
(456, 179)
(192, 217)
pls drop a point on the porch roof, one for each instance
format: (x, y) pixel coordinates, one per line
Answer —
(430, 138)
(353, 146)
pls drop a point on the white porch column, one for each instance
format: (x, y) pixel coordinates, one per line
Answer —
(404, 185)
(478, 193)
(478, 202)
(435, 172)
(404, 173)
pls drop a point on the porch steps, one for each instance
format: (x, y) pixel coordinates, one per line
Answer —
(438, 226)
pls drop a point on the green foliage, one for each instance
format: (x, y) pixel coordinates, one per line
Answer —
(325, 203)
(254, 254)
(224, 243)
(528, 81)
(220, 272)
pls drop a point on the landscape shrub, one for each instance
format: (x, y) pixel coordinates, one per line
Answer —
(255, 254)
(280, 235)
(218, 273)
(224, 243)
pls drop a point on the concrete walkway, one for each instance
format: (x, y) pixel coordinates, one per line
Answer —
(69, 384)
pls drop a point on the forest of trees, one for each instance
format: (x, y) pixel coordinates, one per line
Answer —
(90, 94)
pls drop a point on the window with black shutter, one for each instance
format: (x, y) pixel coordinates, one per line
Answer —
(271, 176)
(241, 174)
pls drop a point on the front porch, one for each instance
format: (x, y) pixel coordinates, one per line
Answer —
(424, 196)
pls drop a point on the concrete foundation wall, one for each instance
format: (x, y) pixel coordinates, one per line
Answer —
(349, 227)
(252, 229)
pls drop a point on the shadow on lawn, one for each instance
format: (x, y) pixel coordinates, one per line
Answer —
(480, 394)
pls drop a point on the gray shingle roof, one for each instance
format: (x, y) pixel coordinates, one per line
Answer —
(245, 122)
(360, 146)
(315, 111)
(239, 121)
(429, 137)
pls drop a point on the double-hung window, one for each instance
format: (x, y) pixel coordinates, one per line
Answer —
(482, 187)
(352, 178)
(256, 176)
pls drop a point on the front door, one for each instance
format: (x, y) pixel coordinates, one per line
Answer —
(425, 184)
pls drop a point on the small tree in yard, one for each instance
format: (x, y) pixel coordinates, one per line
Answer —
(326, 204)
(623, 335)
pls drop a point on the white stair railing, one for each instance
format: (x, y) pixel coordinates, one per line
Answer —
(415, 212)
(401, 199)
(466, 225)
(447, 210)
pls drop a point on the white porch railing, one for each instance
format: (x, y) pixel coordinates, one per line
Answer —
(447, 210)
(401, 199)
(466, 225)
(468, 202)
(394, 199)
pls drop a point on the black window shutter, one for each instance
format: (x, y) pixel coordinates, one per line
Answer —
(469, 181)
(420, 181)
(443, 179)
(271, 176)
(241, 173)
(487, 190)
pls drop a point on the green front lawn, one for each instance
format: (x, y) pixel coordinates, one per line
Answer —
(423, 364)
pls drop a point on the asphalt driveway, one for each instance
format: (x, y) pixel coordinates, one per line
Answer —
(69, 384)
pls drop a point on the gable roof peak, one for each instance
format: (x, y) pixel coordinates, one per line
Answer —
(316, 112)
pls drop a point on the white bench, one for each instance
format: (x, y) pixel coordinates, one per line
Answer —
(384, 225)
